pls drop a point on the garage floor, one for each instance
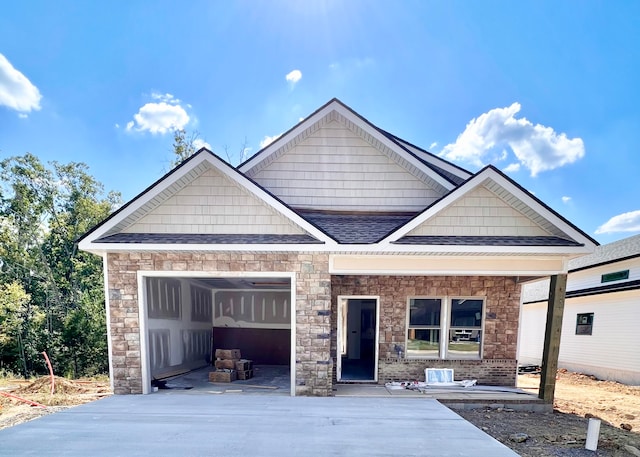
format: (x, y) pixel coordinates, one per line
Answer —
(267, 380)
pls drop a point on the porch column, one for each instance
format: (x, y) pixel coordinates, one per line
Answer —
(551, 350)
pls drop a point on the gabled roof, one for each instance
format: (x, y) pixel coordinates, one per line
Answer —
(110, 230)
(440, 171)
(395, 231)
(557, 226)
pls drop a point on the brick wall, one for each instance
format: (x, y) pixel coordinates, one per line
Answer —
(500, 326)
(489, 372)
(313, 327)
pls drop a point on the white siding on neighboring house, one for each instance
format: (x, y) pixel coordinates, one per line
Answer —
(610, 352)
(592, 277)
(531, 337)
(212, 203)
(479, 213)
(333, 168)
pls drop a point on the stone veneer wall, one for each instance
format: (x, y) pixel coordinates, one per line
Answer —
(313, 327)
(502, 307)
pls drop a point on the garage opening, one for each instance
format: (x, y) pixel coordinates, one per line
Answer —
(188, 318)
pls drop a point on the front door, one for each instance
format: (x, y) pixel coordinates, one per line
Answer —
(357, 339)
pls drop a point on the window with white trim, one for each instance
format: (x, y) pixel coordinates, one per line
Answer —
(459, 319)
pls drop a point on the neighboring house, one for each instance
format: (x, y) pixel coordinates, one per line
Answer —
(339, 250)
(601, 324)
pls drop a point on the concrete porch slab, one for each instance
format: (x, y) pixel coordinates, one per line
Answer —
(454, 397)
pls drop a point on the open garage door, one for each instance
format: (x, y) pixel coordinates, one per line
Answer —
(187, 318)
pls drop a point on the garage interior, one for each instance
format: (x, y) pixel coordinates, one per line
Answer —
(187, 318)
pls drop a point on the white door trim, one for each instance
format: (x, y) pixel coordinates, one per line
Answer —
(343, 299)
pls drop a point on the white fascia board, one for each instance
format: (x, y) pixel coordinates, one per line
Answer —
(357, 120)
(474, 251)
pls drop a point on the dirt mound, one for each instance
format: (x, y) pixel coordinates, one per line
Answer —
(42, 385)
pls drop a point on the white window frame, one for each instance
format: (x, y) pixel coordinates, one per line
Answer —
(445, 325)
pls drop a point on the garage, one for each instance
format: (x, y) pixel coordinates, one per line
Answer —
(185, 318)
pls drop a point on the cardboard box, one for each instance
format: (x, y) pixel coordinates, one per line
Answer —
(243, 365)
(223, 376)
(227, 354)
(246, 374)
(225, 364)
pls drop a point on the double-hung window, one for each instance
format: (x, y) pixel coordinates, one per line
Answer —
(447, 328)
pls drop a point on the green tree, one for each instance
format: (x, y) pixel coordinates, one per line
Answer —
(43, 210)
(184, 146)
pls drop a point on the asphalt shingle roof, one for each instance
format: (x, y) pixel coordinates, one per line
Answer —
(356, 228)
(487, 241)
(606, 253)
(206, 238)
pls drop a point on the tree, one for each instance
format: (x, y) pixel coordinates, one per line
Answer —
(184, 146)
(43, 210)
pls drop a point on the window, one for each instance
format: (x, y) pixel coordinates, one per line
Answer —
(465, 332)
(584, 324)
(423, 337)
(458, 319)
(617, 276)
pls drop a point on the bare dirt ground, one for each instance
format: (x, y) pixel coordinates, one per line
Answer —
(563, 432)
(67, 393)
(558, 434)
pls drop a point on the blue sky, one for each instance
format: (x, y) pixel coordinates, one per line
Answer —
(547, 91)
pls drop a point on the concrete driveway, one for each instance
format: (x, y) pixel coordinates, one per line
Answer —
(239, 425)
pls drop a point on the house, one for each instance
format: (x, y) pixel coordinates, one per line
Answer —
(339, 250)
(601, 315)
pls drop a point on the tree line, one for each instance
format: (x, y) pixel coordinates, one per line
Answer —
(51, 294)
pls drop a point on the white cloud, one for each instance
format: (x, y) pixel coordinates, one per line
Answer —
(159, 117)
(566, 199)
(625, 222)
(16, 91)
(200, 143)
(512, 167)
(167, 98)
(294, 76)
(433, 145)
(536, 147)
(268, 140)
